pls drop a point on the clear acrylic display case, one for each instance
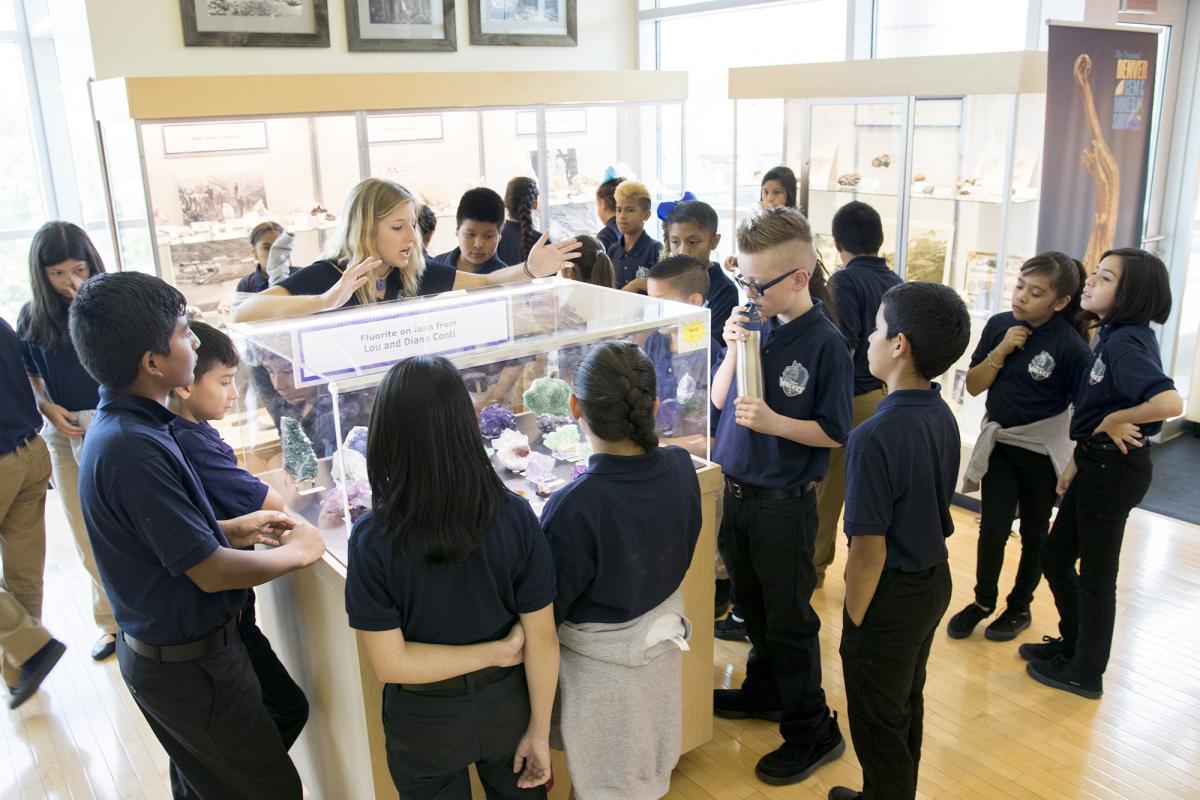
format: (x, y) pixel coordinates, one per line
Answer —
(310, 384)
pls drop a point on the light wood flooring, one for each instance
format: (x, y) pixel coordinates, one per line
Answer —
(990, 731)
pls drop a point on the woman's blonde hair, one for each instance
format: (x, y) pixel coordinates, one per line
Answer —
(367, 203)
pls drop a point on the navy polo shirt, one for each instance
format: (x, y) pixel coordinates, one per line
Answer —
(67, 383)
(1038, 381)
(623, 534)
(609, 235)
(722, 297)
(626, 263)
(858, 290)
(901, 465)
(1126, 371)
(319, 276)
(20, 419)
(149, 521)
(807, 375)
(509, 250)
(390, 586)
(491, 265)
(232, 491)
(670, 368)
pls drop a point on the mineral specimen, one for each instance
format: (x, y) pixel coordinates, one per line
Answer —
(547, 396)
(495, 419)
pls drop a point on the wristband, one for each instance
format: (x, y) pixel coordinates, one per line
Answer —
(992, 364)
(527, 271)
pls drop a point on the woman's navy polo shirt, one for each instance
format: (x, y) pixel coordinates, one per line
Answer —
(149, 522)
(1126, 371)
(807, 375)
(450, 259)
(20, 420)
(320, 276)
(509, 250)
(232, 491)
(623, 534)
(722, 297)
(901, 466)
(476, 600)
(858, 290)
(1038, 381)
(67, 383)
(644, 253)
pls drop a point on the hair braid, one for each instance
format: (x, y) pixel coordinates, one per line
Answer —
(617, 388)
(519, 198)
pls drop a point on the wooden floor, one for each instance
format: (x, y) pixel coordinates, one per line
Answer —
(990, 731)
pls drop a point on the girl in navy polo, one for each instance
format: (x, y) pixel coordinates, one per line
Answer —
(622, 535)
(1029, 361)
(61, 259)
(1122, 400)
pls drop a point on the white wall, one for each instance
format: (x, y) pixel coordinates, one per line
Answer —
(145, 38)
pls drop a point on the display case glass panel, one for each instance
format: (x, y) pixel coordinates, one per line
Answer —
(582, 142)
(312, 382)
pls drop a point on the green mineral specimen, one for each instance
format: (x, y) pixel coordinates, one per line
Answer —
(548, 396)
(299, 458)
(562, 439)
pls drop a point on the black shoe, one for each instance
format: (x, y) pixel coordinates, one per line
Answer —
(1059, 674)
(842, 793)
(962, 623)
(722, 597)
(35, 670)
(733, 704)
(1049, 648)
(103, 648)
(731, 629)
(795, 761)
(1006, 626)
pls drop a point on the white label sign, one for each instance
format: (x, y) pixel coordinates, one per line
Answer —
(370, 342)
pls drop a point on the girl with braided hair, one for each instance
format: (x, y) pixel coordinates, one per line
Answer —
(622, 536)
(518, 236)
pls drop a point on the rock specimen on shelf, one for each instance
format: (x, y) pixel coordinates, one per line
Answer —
(850, 179)
(512, 450)
(539, 468)
(495, 419)
(547, 396)
(299, 458)
(356, 439)
(548, 423)
(564, 441)
(883, 160)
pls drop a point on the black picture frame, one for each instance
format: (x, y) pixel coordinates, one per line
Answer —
(193, 37)
(358, 40)
(568, 39)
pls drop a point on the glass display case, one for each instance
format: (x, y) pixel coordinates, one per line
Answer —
(186, 182)
(310, 384)
(952, 166)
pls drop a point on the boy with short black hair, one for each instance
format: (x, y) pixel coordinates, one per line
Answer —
(233, 492)
(479, 218)
(170, 569)
(901, 467)
(857, 291)
(635, 250)
(691, 230)
(606, 210)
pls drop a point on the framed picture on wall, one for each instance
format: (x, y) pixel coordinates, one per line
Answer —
(400, 25)
(523, 22)
(255, 23)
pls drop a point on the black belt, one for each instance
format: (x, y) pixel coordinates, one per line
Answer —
(189, 651)
(1109, 446)
(461, 684)
(743, 492)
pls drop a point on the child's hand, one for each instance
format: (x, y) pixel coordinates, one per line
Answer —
(353, 278)
(1064, 480)
(257, 527)
(65, 422)
(512, 647)
(532, 760)
(635, 285)
(734, 332)
(1014, 339)
(547, 259)
(755, 414)
(1123, 434)
(307, 543)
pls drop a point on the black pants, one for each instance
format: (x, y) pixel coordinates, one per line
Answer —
(433, 738)
(768, 547)
(1089, 528)
(208, 714)
(883, 663)
(1016, 478)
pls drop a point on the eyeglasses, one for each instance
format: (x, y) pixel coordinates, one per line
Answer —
(755, 289)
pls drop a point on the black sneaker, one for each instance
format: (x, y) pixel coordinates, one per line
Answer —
(1059, 674)
(734, 704)
(843, 793)
(35, 670)
(962, 623)
(1050, 647)
(795, 761)
(1006, 626)
(721, 601)
(731, 629)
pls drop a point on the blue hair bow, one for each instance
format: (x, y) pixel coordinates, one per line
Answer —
(667, 206)
(610, 173)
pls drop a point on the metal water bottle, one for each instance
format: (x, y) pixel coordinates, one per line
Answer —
(749, 356)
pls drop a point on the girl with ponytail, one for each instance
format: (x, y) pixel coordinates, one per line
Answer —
(518, 236)
(622, 536)
(593, 265)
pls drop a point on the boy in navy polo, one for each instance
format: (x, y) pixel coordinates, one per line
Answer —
(692, 231)
(901, 466)
(635, 249)
(773, 450)
(857, 291)
(233, 492)
(479, 218)
(170, 569)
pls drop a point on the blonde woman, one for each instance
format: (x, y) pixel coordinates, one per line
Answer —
(376, 256)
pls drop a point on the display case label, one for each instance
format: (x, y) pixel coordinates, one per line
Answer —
(369, 341)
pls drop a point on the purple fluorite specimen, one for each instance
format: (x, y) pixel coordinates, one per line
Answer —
(494, 420)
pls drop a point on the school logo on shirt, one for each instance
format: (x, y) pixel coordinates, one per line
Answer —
(1097, 373)
(1042, 366)
(794, 380)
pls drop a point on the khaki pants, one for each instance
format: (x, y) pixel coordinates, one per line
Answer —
(831, 494)
(23, 476)
(64, 459)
